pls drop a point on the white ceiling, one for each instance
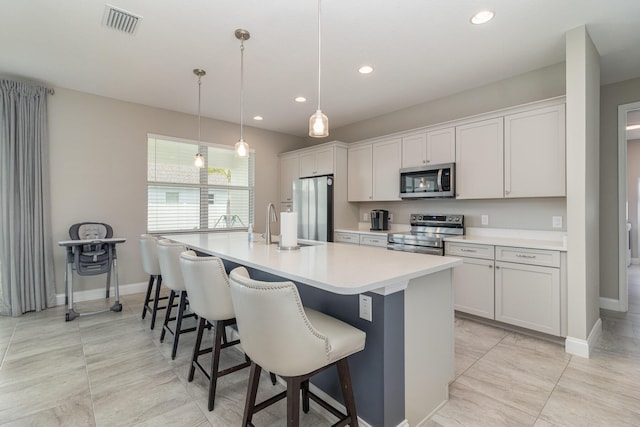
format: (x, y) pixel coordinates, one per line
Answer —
(421, 50)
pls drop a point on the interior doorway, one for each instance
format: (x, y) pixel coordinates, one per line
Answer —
(628, 115)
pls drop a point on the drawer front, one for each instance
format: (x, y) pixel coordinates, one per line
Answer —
(352, 238)
(468, 250)
(528, 256)
(373, 240)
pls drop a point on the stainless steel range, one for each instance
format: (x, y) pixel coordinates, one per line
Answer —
(427, 233)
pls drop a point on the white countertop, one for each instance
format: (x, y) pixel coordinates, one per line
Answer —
(353, 230)
(334, 267)
(531, 239)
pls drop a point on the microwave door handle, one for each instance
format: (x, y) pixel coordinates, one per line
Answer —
(439, 180)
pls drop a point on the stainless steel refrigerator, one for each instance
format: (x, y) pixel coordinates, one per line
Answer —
(313, 202)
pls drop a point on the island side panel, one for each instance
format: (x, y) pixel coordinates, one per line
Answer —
(377, 372)
(429, 344)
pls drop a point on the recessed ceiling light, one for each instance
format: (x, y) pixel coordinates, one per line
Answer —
(257, 118)
(482, 17)
(301, 99)
(365, 69)
(633, 127)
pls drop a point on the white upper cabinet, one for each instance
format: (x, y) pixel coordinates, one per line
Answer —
(479, 160)
(317, 162)
(386, 169)
(289, 171)
(373, 171)
(429, 148)
(359, 173)
(534, 153)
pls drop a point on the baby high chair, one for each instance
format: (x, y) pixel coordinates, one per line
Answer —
(91, 251)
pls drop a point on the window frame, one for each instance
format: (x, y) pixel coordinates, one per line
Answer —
(204, 187)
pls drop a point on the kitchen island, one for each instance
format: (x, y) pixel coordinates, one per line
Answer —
(403, 374)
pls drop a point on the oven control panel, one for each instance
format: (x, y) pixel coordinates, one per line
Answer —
(437, 220)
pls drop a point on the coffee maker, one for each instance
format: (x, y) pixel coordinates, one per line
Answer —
(379, 220)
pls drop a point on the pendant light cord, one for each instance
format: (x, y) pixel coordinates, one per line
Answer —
(319, 50)
(241, 87)
(199, 90)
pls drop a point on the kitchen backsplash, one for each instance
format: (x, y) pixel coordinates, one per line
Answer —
(529, 214)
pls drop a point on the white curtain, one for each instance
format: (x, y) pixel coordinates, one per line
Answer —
(26, 259)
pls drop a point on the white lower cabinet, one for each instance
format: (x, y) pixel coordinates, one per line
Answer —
(528, 292)
(473, 287)
(528, 296)
(519, 286)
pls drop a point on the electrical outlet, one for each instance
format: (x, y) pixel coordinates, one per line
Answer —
(366, 310)
(556, 221)
(365, 216)
(390, 217)
(485, 219)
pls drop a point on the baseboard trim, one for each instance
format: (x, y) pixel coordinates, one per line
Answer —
(583, 348)
(610, 304)
(93, 294)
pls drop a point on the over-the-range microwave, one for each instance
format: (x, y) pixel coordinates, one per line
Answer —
(428, 181)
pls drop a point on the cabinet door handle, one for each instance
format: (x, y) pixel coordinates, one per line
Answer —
(525, 256)
(467, 250)
(491, 266)
(497, 267)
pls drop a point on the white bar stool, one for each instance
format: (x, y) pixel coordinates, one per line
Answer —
(292, 341)
(151, 266)
(169, 259)
(209, 297)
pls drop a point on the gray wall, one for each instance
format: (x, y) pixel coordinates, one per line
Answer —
(611, 96)
(99, 166)
(540, 84)
(633, 175)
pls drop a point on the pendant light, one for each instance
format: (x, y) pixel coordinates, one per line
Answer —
(199, 160)
(318, 122)
(242, 148)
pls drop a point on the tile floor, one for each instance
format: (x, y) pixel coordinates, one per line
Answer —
(110, 369)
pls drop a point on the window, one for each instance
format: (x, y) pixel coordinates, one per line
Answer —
(181, 197)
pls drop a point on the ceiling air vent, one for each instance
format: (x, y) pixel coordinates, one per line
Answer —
(120, 20)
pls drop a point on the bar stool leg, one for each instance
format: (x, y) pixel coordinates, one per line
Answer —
(196, 348)
(293, 401)
(219, 332)
(252, 391)
(147, 297)
(347, 391)
(156, 300)
(305, 396)
(176, 336)
(167, 316)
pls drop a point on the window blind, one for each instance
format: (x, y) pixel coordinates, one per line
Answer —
(181, 197)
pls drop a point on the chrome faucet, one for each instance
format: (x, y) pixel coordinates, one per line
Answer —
(271, 216)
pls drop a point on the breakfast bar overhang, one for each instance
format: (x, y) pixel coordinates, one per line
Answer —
(402, 376)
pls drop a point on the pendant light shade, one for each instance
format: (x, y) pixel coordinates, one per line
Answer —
(318, 125)
(241, 147)
(199, 160)
(318, 122)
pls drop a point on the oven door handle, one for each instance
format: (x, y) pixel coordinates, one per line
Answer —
(440, 180)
